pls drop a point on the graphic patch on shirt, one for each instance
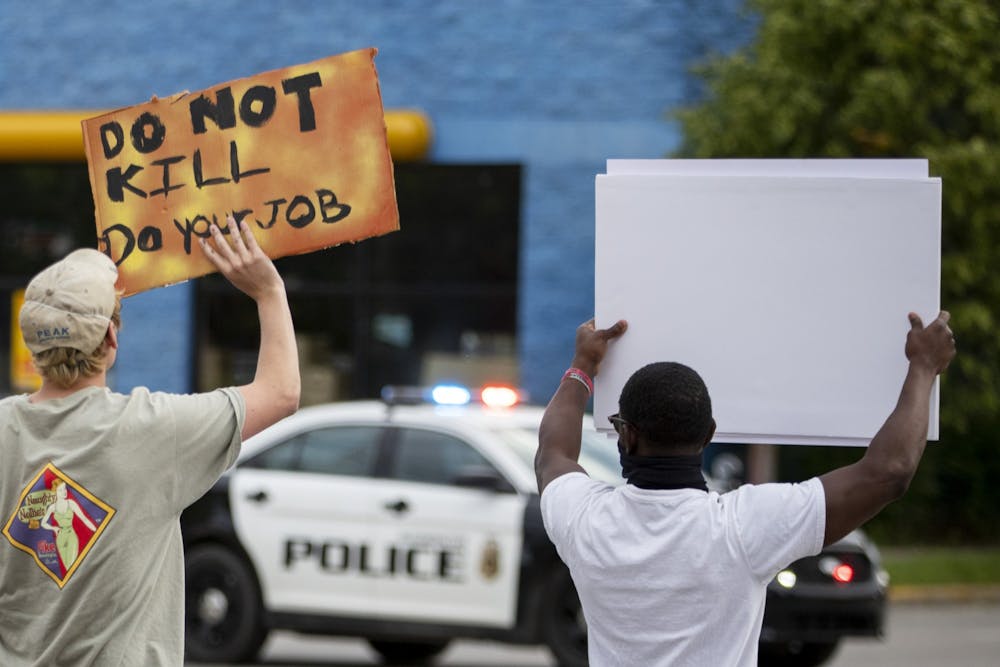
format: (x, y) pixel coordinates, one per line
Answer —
(57, 521)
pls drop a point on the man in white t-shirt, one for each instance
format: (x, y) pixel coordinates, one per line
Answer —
(93, 482)
(669, 573)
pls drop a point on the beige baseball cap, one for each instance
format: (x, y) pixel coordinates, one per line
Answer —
(69, 304)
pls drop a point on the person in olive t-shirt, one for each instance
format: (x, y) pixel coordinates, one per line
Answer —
(92, 482)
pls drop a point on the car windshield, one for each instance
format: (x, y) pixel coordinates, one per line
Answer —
(598, 453)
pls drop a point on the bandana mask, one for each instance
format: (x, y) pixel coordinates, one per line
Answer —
(662, 472)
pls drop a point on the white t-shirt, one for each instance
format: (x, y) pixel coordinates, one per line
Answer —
(678, 577)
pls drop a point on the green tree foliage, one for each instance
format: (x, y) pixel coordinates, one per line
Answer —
(892, 78)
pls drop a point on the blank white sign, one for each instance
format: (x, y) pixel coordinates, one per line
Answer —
(849, 168)
(789, 295)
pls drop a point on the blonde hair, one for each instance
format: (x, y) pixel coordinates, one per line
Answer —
(65, 366)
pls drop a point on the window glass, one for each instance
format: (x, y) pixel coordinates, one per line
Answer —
(598, 452)
(436, 300)
(280, 457)
(44, 213)
(434, 458)
(346, 450)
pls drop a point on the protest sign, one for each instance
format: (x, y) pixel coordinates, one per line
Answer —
(785, 284)
(299, 153)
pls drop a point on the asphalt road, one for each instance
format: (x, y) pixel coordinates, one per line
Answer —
(926, 635)
(919, 635)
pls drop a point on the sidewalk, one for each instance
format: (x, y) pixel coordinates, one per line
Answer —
(945, 593)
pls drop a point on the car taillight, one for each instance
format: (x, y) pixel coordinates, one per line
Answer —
(836, 569)
(843, 573)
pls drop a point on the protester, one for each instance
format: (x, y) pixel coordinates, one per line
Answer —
(92, 482)
(669, 573)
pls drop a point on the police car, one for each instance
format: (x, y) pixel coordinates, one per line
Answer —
(412, 525)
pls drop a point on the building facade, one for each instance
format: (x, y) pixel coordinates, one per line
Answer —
(526, 101)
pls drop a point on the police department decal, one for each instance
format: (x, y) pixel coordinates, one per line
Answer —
(489, 566)
(57, 521)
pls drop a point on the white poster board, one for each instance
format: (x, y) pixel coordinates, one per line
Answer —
(786, 285)
(873, 168)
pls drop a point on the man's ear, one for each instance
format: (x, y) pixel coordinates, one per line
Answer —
(629, 438)
(711, 434)
(111, 337)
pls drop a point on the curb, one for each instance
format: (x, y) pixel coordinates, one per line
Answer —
(945, 593)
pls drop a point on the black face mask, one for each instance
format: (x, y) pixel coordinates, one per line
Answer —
(663, 472)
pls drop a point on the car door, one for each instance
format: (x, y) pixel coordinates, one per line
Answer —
(304, 510)
(458, 548)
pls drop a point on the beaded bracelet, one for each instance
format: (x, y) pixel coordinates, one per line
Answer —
(580, 377)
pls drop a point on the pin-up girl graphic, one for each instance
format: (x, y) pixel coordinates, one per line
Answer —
(62, 511)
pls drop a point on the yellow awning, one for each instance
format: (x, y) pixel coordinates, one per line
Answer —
(50, 136)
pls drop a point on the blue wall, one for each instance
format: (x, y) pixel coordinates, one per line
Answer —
(557, 86)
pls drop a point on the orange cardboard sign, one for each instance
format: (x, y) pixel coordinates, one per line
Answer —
(299, 153)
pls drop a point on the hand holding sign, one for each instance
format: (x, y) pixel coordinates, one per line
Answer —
(241, 260)
(592, 344)
(299, 153)
(931, 347)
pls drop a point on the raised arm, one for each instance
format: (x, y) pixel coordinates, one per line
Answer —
(562, 424)
(857, 492)
(274, 391)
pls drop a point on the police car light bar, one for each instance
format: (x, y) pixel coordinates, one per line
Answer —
(397, 395)
(499, 397)
(492, 396)
(450, 394)
(442, 394)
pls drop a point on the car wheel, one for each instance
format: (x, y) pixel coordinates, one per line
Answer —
(223, 617)
(564, 628)
(795, 654)
(407, 653)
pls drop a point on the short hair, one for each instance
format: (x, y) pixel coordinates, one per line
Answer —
(65, 366)
(669, 403)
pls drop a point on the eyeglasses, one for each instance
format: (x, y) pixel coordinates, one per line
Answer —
(617, 421)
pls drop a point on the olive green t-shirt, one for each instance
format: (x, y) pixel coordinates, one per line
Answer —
(91, 491)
